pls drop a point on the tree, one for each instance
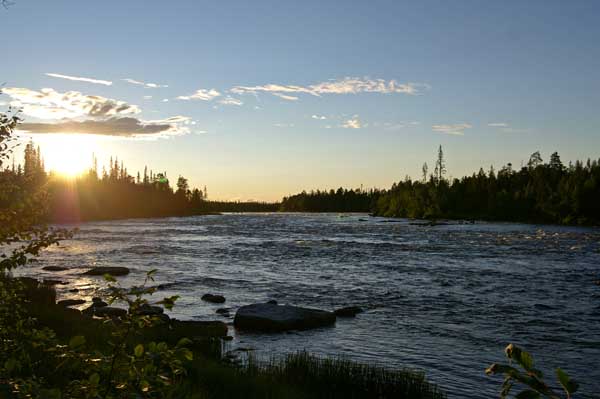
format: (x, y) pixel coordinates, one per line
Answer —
(440, 166)
(555, 162)
(424, 170)
(535, 160)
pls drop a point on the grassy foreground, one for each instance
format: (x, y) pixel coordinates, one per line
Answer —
(208, 375)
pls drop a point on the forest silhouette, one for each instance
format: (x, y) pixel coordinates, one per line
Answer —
(539, 192)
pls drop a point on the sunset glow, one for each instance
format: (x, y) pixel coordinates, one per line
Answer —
(68, 155)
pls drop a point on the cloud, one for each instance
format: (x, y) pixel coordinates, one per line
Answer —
(348, 85)
(353, 123)
(455, 129)
(391, 126)
(79, 79)
(506, 128)
(319, 117)
(147, 97)
(202, 94)
(50, 104)
(283, 124)
(230, 101)
(144, 84)
(285, 96)
(119, 127)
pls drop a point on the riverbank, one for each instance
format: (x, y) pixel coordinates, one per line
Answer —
(209, 374)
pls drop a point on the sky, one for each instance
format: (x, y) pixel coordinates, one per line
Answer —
(257, 100)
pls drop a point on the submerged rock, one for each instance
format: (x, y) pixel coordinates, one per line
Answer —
(223, 312)
(104, 311)
(152, 310)
(70, 302)
(349, 311)
(98, 302)
(109, 311)
(54, 268)
(194, 329)
(112, 270)
(270, 317)
(55, 282)
(213, 298)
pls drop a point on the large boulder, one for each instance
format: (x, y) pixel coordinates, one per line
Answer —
(112, 270)
(273, 318)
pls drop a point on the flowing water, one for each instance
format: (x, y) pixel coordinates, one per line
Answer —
(444, 299)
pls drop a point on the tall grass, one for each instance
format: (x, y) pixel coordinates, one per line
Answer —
(302, 375)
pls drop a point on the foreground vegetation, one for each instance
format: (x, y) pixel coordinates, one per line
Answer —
(55, 352)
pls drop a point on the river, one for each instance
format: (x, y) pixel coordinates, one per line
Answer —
(445, 299)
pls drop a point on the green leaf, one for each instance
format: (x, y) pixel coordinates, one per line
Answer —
(168, 302)
(525, 360)
(76, 341)
(139, 350)
(188, 354)
(11, 364)
(528, 394)
(94, 379)
(109, 278)
(184, 342)
(569, 385)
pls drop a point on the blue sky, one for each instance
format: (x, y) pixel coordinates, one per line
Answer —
(303, 95)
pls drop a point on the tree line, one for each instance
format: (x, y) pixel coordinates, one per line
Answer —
(113, 193)
(543, 192)
(340, 200)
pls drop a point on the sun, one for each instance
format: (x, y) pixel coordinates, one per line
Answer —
(68, 155)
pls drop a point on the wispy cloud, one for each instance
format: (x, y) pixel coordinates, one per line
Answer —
(202, 94)
(285, 96)
(348, 85)
(457, 129)
(144, 84)
(283, 124)
(319, 117)
(51, 104)
(392, 126)
(231, 101)
(80, 79)
(353, 123)
(506, 128)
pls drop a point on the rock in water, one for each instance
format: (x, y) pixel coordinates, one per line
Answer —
(113, 271)
(349, 311)
(105, 311)
(70, 302)
(274, 318)
(213, 298)
(54, 268)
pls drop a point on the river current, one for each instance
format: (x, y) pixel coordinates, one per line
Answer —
(443, 299)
